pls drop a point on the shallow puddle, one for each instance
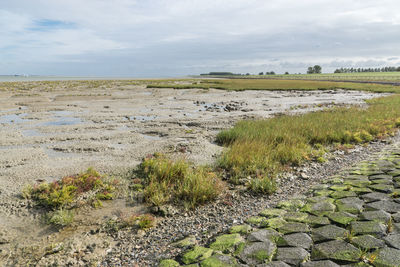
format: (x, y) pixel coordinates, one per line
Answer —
(32, 133)
(151, 137)
(13, 118)
(62, 121)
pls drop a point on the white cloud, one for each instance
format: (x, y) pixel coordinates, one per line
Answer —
(194, 34)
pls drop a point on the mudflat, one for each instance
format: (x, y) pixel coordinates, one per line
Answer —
(47, 134)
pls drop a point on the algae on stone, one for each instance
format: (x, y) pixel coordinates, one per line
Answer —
(386, 257)
(369, 227)
(273, 212)
(343, 218)
(294, 228)
(226, 243)
(186, 242)
(240, 229)
(293, 256)
(335, 250)
(291, 205)
(258, 252)
(198, 253)
(367, 242)
(219, 260)
(295, 216)
(169, 263)
(275, 222)
(328, 232)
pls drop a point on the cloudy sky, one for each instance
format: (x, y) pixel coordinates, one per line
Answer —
(162, 38)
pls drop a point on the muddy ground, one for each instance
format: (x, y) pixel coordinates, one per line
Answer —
(48, 134)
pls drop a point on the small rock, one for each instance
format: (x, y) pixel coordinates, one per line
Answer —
(387, 257)
(335, 250)
(258, 252)
(367, 242)
(393, 240)
(292, 255)
(319, 264)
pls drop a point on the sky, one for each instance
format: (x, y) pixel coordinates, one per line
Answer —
(174, 38)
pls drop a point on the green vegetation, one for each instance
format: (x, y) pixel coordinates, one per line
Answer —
(262, 148)
(59, 197)
(142, 222)
(361, 76)
(165, 181)
(274, 84)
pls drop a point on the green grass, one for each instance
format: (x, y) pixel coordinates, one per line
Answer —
(167, 181)
(363, 76)
(274, 84)
(259, 149)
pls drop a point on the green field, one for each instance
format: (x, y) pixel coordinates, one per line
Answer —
(362, 76)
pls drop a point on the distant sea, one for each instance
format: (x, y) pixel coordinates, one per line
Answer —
(27, 78)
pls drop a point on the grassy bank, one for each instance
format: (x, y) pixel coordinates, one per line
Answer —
(273, 84)
(260, 149)
(356, 76)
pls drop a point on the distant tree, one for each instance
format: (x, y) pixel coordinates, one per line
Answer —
(398, 69)
(310, 70)
(247, 74)
(261, 73)
(337, 71)
(317, 69)
(286, 73)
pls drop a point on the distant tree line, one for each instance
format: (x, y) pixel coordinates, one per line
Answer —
(314, 70)
(267, 73)
(353, 70)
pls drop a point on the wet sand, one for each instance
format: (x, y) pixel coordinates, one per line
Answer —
(45, 135)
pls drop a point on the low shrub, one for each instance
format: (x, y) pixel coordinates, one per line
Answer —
(59, 197)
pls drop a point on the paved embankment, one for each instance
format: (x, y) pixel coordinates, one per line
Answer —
(351, 220)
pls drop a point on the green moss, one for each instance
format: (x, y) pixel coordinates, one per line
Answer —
(291, 205)
(260, 255)
(275, 222)
(256, 220)
(186, 242)
(216, 261)
(273, 212)
(240, 229)
(196, 254)
(169, 263)
(239, 248)
(341, 217)
(226, 243)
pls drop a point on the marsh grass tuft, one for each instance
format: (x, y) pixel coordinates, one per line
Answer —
(166, 180)
(262, 148)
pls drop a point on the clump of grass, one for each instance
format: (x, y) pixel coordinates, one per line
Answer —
(60, 217)
(262, 148)
(60, 196)
(166, 180)
(142, 222)
(263, 185)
